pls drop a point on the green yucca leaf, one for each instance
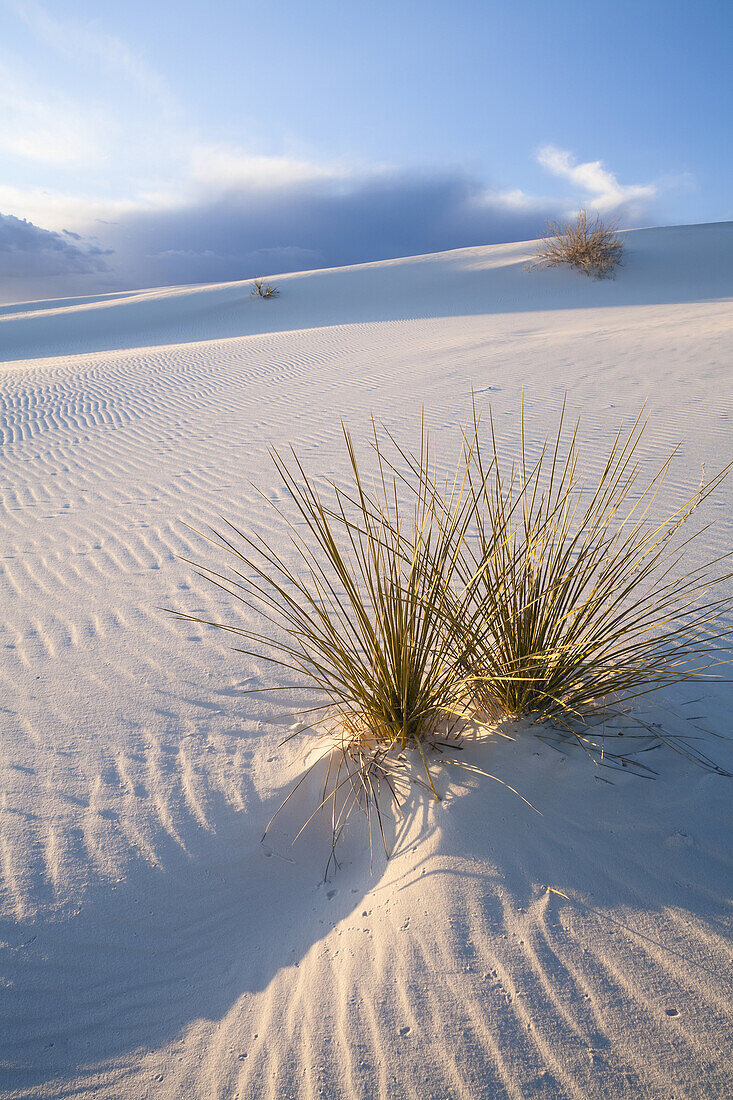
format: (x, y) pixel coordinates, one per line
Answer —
(581, 605)
(362, 605)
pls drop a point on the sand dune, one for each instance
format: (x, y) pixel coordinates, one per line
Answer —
(151, 944)
(680, 264)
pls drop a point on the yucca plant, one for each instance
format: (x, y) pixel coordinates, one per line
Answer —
(261, 289)
(363, 606)
(412, 606)
(580, 602)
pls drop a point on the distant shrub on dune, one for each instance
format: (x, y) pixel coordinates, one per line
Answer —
(589, 244)
(261, 289)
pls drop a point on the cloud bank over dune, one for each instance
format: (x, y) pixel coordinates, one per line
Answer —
(247, 228)
(303, 157)
(158, 196)
(28, 250)
(41, 261)
(236, 216)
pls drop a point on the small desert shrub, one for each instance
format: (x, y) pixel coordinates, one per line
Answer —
(261, 289)
(591, 245)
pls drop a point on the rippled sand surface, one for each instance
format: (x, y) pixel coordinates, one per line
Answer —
(150, 944)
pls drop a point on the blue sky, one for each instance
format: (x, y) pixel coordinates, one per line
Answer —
(181, 141)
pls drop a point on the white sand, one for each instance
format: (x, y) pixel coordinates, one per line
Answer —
(151, 945)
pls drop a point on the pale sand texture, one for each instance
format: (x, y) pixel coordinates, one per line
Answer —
(151, 945)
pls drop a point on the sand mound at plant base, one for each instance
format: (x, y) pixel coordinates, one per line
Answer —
(151, 945)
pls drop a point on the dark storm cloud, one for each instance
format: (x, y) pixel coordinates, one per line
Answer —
(252, 230)
(26, 250)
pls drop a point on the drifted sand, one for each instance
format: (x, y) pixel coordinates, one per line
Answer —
(151, 945)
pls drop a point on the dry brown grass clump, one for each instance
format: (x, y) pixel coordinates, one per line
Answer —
(261, 289)
(589, 244)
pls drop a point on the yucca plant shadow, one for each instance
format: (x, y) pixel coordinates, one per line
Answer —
(175, 941)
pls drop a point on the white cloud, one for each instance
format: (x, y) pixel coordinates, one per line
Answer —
(57, 210)
(511, 199)
(599, 187)
(132, 149)
(127, 138)
(226, 167)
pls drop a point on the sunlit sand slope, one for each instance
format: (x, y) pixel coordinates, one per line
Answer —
(151, 944)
